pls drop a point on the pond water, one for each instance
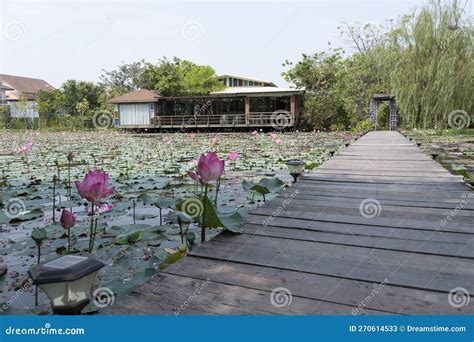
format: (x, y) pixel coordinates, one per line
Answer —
(136, 163)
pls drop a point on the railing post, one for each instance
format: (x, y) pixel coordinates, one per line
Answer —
(247, 110)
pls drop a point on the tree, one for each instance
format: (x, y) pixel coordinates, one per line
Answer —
(432, 67)
(126, 78)
(179, 77)
(164, 77)
(318, 74)
(425, 61)
(49, 103)
(76, 92)
(75, 98)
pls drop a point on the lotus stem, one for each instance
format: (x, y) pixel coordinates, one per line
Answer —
(203, 225)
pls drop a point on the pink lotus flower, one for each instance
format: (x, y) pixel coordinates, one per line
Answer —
(254, 133)
(209, 168)
(100, 208)
(94, 186)
(213, 141)
(24, 149)
(278, 141)
(67, 220)
(233, 156)
(192, 135)
(347, 137)
(273, 136)
(166, 141)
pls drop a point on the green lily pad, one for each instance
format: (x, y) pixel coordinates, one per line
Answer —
(28, 216)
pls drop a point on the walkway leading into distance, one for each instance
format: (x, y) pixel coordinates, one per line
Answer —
(380, 227)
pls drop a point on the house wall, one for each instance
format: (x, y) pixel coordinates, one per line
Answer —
(135, 113)
(18, 110)
(3, 97)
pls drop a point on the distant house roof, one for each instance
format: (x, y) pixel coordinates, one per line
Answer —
(4, 87)
(267, 83)
(25, 86)
(257, 91)
(142, 95)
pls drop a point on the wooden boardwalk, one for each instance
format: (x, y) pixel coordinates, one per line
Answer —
(378, 229)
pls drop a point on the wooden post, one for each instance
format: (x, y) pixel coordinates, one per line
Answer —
(293, 109)
(247, 110)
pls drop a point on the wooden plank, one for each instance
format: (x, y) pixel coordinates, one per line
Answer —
(389, 220)
(176, 294)
(429, 213)
(361, 229)
(343, 291)
(359, 263)
(392, 242)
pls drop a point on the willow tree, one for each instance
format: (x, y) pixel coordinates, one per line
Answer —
(429, 64)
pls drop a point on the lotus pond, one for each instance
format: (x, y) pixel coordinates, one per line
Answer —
(138, 231)
(453, 149)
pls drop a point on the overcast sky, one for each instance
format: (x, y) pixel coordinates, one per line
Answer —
(60, 40)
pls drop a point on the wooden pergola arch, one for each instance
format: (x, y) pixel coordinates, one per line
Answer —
(374, 103)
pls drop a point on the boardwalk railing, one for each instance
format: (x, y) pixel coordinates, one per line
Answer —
(257, 119)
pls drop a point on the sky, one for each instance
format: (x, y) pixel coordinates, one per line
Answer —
(60, 40)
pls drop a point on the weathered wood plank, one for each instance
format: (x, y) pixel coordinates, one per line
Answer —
(343, 291)
(360, 263)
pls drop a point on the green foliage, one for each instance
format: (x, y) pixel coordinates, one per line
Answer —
(71, 106)
(319, 74)
(124, 79)
(264, 187)
(38, 235)
(425, 61)
(179, 77)
(169, 77)
(362, 126)
(215, 219)
(432, 68)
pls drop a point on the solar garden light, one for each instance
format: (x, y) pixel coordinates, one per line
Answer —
(332, 151)
(67, 281)
(296, 168)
